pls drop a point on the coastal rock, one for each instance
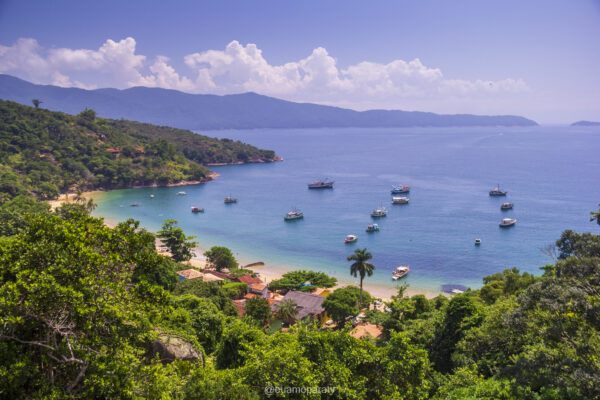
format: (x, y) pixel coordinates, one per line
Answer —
(170, 348)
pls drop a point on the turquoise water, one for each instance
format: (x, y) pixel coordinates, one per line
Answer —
(552, 174)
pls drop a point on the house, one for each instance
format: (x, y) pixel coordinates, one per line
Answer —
(249, 296)
(367, 329)
(309, 305)
(189, 274)
(259, 289)
(248, 279)
(218, 274)
(212, 278)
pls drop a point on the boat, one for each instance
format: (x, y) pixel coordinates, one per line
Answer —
(293, 215)
(373, 228)
(379, 212)
(400, 200)
(229, 200)
(151, 196)
(181, 193)
(497, 192)
(135, 204)
(400, 189)
(477, 242)
(506, 206)
(197, 210)
(507, 222)
(400, 272)
(350, 239)
(321, 184)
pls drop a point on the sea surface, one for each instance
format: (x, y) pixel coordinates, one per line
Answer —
(552, 175)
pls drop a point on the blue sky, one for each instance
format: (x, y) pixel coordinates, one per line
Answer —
(539, 59)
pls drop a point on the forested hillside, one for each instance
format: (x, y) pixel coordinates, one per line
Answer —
(86, 309)
(44, 152)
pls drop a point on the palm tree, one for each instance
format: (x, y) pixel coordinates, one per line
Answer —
(287, 311)
(36, 102)
(361, 266)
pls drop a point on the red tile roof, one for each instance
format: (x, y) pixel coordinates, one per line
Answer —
(247, 279)
(218, 274)
(365, 329)
(250, 295)
(257, 286)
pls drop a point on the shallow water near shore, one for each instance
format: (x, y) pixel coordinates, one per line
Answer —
(552, 175)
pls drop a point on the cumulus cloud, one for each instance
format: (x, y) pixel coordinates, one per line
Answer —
(238, 68)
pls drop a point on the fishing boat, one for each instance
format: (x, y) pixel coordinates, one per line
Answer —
(379, 212)
(350, 239)
(293, 215)
(181, 193)
(229, 200)
(135, 204)
(477, 242)
(507, 222)
(197, 210)
(373, 228)
(321, 184)
(497, 191)
(506, 206)
(400, 200)
(400, 189)
(400, 272)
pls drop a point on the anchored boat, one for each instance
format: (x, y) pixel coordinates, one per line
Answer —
(400, 200)
(350, 239)
(400, 272)
(379, 212)
(197, 210)
(373, 228)
(293, 215)
(506, 206)
(506, 222)
(400, 189)
(229, 200)
(497, 191)
(321, 184)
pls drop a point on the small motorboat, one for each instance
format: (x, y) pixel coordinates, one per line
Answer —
(400, 200)
(497, 191)
(293, 215)
(400, 272)
(506, 206)
(229, 200)
(151, 196)
(507, 222)
(197, 210)
(373, 228)
(350, 239)
(400, 189)
(181, 193)
(477, 242)
(321, 184)
(379, 212)
(135, 204)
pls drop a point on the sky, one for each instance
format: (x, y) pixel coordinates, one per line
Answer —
(537, 58)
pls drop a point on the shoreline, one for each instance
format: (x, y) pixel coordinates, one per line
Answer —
(267, 272)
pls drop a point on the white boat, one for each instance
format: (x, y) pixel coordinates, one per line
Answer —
(508, 222)
(400, 272)
(350, 239)
(400, 200)
(506, 206)
(151, 196)
(477, 242)
(292, 215)
(379, 212)
(181, 193)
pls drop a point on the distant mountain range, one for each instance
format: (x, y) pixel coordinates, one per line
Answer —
(585, 123)
(236, 111)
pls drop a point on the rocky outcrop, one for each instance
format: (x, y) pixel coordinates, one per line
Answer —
(170, 348)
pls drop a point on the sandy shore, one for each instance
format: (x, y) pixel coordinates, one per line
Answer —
(266, 272)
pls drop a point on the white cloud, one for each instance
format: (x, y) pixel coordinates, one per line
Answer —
(239, 68)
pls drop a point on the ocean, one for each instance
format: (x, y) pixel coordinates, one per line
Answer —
(552, 175)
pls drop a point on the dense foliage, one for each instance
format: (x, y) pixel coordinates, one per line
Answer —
(82, 307)
(305, 281)
(220, 257)
(45, 153)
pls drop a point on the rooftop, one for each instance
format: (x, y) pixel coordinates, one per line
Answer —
(308, 303)
(190, 274)
(365, 329)
(247, 279)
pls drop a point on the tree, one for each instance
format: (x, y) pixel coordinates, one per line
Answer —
(220, 258)
(206, 320)
(208, 290)
(176, 241)
(343, 303)
(295, 280)
(287, 311)
(361, 267)
(231, 351)
(595, 216)
(259, 310)
(36, 103)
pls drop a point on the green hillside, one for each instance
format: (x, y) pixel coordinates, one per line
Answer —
(44, 153)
